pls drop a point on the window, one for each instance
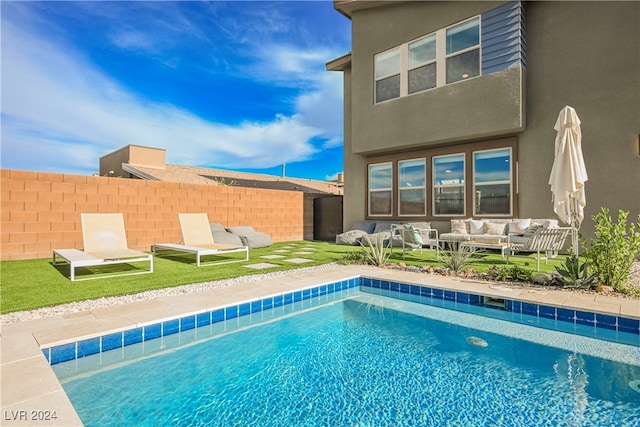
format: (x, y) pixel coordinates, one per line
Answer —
(422, 64)
(448, 185)
(492, 182)
(387, 67)
(463, 51)
(412, 187)
(446, 56)
(380, 189)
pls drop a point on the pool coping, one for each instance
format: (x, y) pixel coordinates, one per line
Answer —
(30, 388)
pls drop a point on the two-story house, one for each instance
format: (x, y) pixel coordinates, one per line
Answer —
(450, 107)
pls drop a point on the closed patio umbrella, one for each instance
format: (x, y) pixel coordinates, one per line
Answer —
(569, 174)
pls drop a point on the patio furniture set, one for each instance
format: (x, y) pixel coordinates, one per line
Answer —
(508, 236)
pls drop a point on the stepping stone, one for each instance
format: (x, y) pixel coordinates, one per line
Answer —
(272, 256)
(304, 253)
(261, 265)
(298, 260)
(282, 250)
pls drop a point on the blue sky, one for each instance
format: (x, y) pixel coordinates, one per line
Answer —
(226, 84)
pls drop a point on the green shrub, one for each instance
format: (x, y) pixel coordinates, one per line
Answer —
(613, 248)
(376, 252)
(510, 272)
(576, 275)
(457, 259)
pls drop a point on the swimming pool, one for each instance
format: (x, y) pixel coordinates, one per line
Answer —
(355, 358)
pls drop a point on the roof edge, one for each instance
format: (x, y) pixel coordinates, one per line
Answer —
(340, 63)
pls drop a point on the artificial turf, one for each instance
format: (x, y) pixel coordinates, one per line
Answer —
(36, 283)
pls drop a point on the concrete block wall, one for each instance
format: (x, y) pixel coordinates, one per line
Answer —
(40, 211)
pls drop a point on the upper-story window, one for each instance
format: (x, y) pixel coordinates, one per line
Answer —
(388, 75)
(463, 51)
(449, 55)
(422, 64)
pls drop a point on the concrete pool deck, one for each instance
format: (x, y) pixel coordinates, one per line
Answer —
(30, 391)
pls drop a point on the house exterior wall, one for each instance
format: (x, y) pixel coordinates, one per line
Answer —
(41, 211)
(582, 54)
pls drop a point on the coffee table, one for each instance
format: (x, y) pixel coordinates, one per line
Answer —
(503, 247)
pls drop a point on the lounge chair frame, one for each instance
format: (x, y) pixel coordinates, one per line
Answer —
(200, 252)
(105, 243)
(197, 239)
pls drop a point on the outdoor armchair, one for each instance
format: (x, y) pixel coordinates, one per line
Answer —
(548, 241)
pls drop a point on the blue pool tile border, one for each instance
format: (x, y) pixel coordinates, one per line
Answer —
(576, 317)
(88, 347)
(413, 292)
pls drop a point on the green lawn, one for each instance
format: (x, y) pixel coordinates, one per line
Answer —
(31, 284)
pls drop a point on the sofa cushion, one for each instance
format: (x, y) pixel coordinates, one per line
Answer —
(366, 226)
(494, 228)
(459, 226)
(517, 226)
(476, 226)
(531, 230)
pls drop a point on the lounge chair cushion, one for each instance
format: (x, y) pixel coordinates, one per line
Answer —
(251, 237)
(221, 235)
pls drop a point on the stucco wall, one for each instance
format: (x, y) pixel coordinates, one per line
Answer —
(582, 54)
(486, 106)
(41, 211)
(586, 55)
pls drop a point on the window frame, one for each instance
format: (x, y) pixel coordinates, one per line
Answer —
(384, 189)
(386, 76)
(498, 182)
(462, 185)
(423, 188)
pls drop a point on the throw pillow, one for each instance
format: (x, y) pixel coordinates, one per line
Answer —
(476, 226)
(531, 230)
(412, 235)
(494, 228)
(458, 226)
(518, 226)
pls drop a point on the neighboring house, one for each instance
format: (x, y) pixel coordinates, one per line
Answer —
(321, 198)
(450, 107)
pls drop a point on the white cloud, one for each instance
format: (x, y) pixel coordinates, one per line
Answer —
(61, 113)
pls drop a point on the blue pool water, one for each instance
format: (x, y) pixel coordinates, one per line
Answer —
(366, 360)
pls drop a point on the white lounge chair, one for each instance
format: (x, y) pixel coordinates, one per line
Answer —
(104, 242)
(197, 239)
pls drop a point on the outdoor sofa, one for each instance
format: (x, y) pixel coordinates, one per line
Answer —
(388, 231)
(495, 230)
